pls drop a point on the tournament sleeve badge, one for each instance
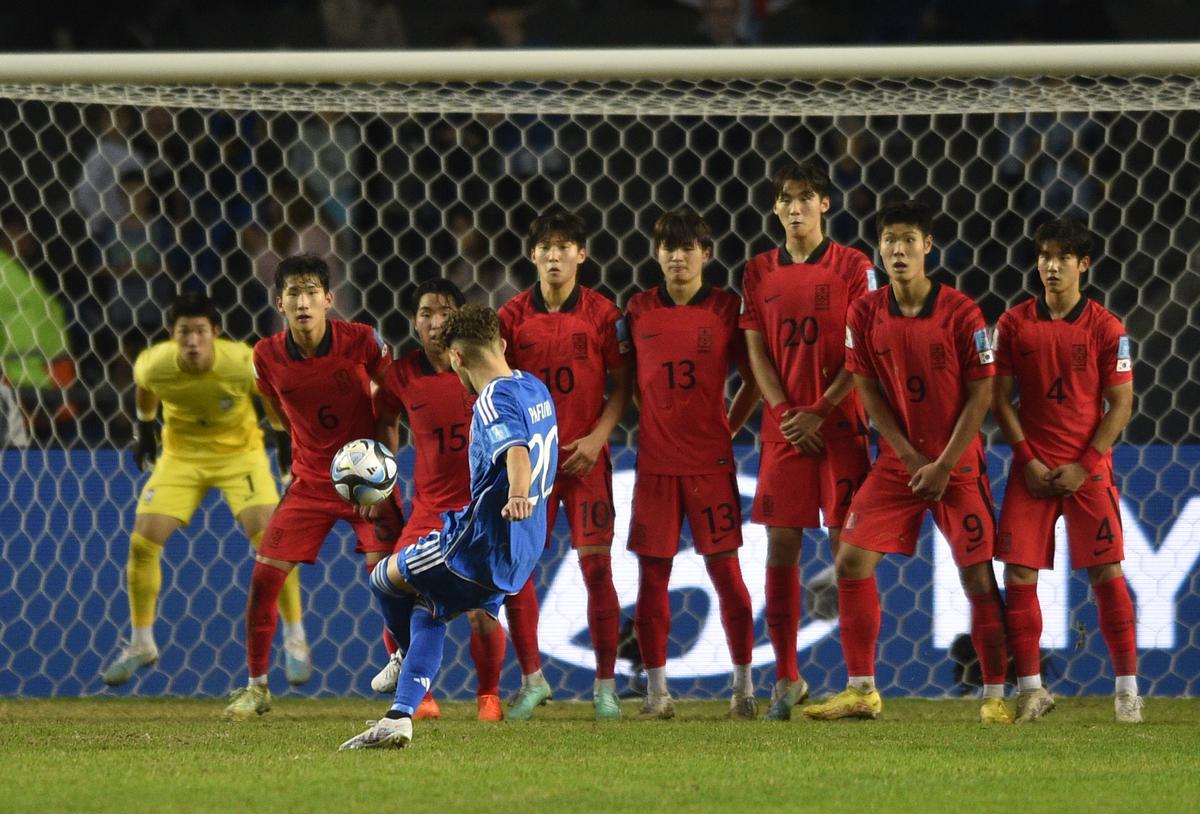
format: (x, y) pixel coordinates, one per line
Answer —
(983, 346)
(498, 433)
(1124, 358)
(624, 342)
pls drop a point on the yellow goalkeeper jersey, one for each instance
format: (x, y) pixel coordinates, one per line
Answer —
(205, 415)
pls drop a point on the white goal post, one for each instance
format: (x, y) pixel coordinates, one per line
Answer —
(905, 62)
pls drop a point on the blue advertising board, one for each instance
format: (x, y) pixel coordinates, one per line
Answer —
(66, 516)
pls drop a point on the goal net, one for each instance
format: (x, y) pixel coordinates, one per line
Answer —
(117, 191)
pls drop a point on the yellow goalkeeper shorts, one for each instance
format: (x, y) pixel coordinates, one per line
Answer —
(177, 486)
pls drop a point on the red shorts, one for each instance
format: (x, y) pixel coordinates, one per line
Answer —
(1093, 516)
(792, 486)
(885, 516)
(711, 504)
(422, 519)
(303, 519)
(588, 502)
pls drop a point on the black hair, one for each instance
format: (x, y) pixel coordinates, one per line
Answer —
(440, 286)
(911, 213)
(682, 227)
(192, 303)
(1070, 234)
(301, 265)
(807, 173)
(558, 223)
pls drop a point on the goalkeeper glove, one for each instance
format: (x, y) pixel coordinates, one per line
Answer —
(283, 453)
(145, 449)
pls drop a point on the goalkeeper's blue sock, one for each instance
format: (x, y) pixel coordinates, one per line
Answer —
(396, 605)
(422, 661)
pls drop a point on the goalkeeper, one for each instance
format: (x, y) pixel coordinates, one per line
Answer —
(210, 439)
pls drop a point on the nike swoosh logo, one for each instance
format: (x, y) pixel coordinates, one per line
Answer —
(883, 352)
(972, 546)
(772, 297)
(649, 336)
(289, 390)
(527, 345)
(1027, 352)
(419, 406)
(1098, 551)
(716, 540)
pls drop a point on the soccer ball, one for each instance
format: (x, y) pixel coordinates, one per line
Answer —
(363, 472)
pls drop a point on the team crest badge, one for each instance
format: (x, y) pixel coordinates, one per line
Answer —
(579, 345)
(937, 356)
(1079, 357)
(823, 297)
(704, 340)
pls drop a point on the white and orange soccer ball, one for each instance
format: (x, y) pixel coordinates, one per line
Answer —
(363, 472)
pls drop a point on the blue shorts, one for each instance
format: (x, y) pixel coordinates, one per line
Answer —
(444, 593)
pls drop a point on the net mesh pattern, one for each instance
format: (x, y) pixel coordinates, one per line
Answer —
(116, 196)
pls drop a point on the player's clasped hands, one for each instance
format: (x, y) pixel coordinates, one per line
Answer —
(518, 507)
(1066, 479)
(929, 482)
(585, 452)
(1038, 481)
(1046, 483)
(802, 429)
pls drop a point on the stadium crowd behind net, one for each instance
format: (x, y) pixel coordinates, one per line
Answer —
(128, 178)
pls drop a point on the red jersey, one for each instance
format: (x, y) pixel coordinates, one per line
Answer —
(924, 364)
(439, 415)
(1062, 368)
(326, 398)
(683, 354)
(800, 309)
(571, 350)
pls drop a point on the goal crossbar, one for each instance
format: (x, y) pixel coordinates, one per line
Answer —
(664, 64)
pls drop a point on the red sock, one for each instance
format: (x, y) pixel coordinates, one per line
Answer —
(987, 634)
(487, 651)
(262, 616)
(783, 618)
(652, 614)
(522, 611)
(858, 606)
(736, 614)
(1118, 625)
(604, 611)
(1023, 614)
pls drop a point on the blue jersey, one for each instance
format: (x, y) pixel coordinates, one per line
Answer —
(479, 544)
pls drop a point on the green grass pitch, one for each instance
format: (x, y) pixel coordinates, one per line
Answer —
(168, 755)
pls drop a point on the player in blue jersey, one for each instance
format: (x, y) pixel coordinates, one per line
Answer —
(487, 549)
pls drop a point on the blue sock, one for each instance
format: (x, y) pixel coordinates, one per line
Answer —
(421, 662)
(396, 605)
